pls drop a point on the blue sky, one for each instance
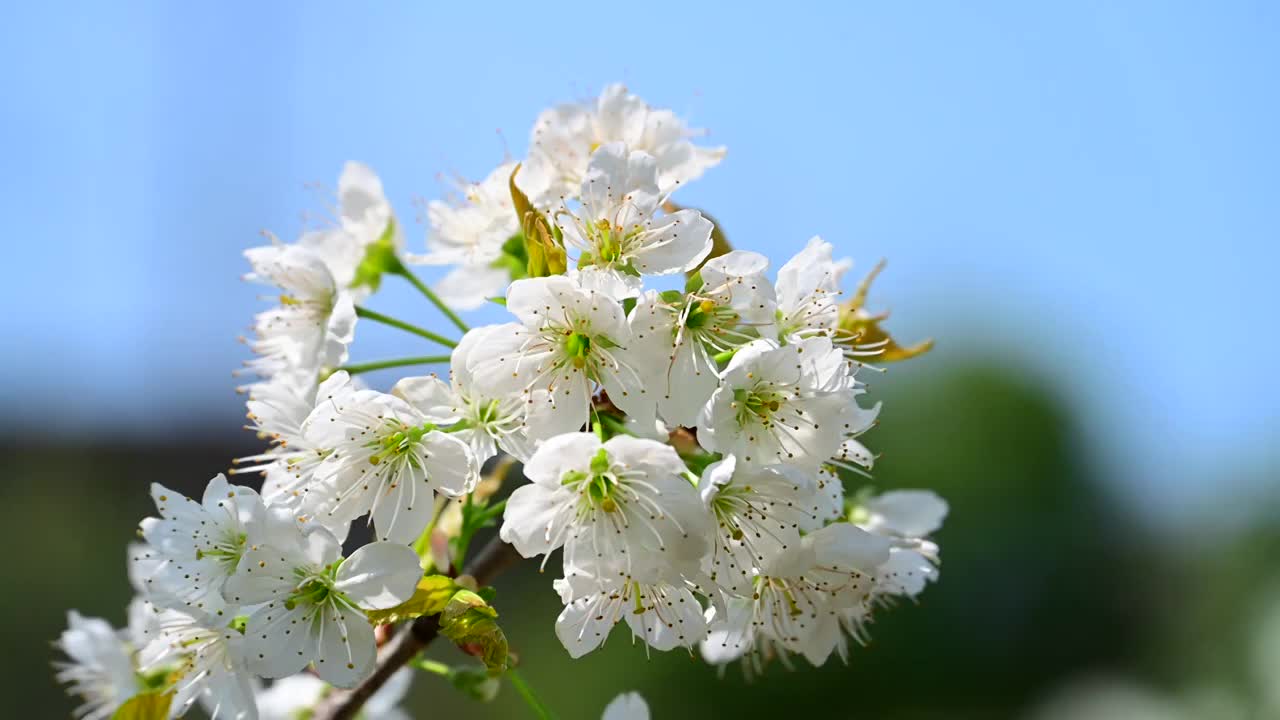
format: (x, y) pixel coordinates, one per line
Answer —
(1088, 186)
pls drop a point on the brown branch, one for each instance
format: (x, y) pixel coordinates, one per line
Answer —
(492, 559)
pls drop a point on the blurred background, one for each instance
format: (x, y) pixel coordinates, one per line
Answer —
(1078, 202)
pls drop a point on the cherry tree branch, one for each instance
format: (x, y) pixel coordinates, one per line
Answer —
(492, 559)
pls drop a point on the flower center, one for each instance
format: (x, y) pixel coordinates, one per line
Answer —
(226, 551)
(597, 487)
(610, 245)
(398, 443)
(757, 404)
(315, 588)
(577, 346)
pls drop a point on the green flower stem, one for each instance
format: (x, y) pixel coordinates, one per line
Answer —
(405, 273)
(432, 666)
(725, 356)
(482, 520)
(526, 692)
(387, 320)
(358, 368)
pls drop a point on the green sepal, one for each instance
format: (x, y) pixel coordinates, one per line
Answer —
(498, 301)
(672, 297)
(472, 624)
(145, 706)
(379, 258)
(542, 245)
(431, 597)
(693, 283)
(514, 258)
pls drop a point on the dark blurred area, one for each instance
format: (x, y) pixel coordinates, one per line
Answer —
(1044, 578)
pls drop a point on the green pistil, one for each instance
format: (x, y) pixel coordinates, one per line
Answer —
(598, 485)
(399, 441)
(313, 592)
(757, 403)
(703, 313)
(489, 413)
(226, 553)
(600, 463)
(577, 346)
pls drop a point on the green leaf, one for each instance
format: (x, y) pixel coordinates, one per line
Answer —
(431, 597)
(472, 624)
(147, 706)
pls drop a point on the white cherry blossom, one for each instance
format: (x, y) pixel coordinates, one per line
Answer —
(193, 548)
(314, 602)
(99, 668)
(565, 137)
(619, 230)
(206, 655)
(570, 340)
(779, 405)
(615, 506)
(385, 457)
(489, 421)
(808, 290)
(315, 321)
(277, 411)
(760, 514)
(907, 518)
(469, 234)
(648, 593)
(800, 597)
(683, 333)
(361, 219)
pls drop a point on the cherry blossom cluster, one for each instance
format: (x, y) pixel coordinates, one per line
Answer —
(686, 421)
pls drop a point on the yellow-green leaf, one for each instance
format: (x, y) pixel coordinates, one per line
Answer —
(861, 330)
(546, 254)
(147, 706)
(431, 597)
(470, 622)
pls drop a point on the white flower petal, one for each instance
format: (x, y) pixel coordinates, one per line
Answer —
(277, 641)
(379, 575)
(345, 647)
